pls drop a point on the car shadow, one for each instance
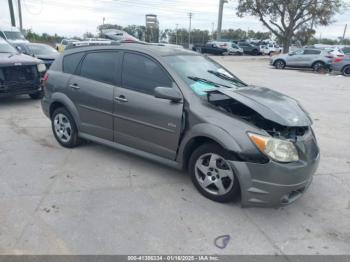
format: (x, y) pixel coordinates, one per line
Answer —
(16, 100)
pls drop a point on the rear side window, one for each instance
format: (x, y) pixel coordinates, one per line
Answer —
(70, 62)
(100, 66)
(143, 74)
(312, 52)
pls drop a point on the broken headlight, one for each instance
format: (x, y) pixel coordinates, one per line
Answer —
(277, 149)
(41, 68)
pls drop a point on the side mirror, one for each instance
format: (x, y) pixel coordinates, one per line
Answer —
(167, 93)
(290, 54)
(19, 49)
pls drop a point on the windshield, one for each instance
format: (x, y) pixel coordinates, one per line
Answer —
(6, 48)
(202, 74)
(11, 35)
(42, 49)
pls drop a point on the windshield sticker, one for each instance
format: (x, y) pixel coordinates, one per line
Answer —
(201, 88)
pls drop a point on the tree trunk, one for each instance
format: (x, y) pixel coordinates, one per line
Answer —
(286, 44)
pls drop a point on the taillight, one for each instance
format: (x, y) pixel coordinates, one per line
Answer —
(44, 80)
(337, 60)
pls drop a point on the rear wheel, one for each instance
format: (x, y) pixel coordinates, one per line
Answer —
(64, 128)
(280, 64)
(346, 70)
(318, 66)
(212, 174)
(255, 52)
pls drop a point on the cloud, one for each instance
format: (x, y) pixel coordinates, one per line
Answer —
(69, 18)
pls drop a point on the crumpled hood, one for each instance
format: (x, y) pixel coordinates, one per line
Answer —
(8, 59)
(270, 104)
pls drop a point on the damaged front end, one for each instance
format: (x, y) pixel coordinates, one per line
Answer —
(287, 140)
(279, 115)
(19, 79)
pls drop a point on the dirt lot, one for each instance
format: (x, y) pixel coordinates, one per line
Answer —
(96, 200)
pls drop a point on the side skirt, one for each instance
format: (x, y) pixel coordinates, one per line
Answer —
(146, 155)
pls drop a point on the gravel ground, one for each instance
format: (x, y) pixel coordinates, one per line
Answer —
(96, 200)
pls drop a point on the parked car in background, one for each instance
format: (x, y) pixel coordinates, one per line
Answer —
(249, 49)
(19, 73)
(181, 108)
(341, 65)
(44, 52)
(61, 46)
(232, 48)
(89, 42)
(12, 34)
(270, 49)
(303, 58)
(210, 48)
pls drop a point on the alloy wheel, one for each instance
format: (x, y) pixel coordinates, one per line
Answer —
(214, 174)
(62, 127)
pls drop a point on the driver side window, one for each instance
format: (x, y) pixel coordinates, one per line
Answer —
(142, 74)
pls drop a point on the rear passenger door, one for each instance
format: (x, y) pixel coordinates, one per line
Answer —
(141, 120)
(310, 56)
(91, 90)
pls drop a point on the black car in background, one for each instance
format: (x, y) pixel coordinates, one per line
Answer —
(249, 48)
(44, 52)
(19, 73)
(209, 48)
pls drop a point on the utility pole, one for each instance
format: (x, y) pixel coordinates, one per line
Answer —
(221, 9)
(212, 30)
(177, 25)
(20, 15)
(12, 14)
(346, 26)
(189, 30)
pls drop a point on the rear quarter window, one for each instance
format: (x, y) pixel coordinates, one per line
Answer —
(70, 62)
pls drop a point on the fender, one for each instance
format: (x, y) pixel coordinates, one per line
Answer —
(210, 131)
(65, 100)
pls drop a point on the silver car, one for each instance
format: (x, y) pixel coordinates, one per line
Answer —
(183, 109)
(341, 65)
(303, 58)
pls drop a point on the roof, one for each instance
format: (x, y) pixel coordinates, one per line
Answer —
(159, 50)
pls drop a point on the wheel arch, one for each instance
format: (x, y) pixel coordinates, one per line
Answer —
(279, 59)
(205, 133)
(317, 61)
(61, 100)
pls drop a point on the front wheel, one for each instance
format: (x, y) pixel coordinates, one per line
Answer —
(346, 71)
(64, 128)
(280, 64)
(212, 174)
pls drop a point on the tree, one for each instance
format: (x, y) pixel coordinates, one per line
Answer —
(285, 17)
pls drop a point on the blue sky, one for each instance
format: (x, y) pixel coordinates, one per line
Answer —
(74, 17)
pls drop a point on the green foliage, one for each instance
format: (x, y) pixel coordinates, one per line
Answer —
(284, 18)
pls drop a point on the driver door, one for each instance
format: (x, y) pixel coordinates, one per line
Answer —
(141, 120)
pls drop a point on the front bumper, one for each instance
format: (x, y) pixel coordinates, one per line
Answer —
(277, 184)
(9, 92)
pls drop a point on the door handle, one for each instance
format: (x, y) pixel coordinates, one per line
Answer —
(121, 98)
(74, 86)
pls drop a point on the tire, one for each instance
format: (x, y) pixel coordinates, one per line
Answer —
(255, 52)
(346, 71)
(317, 66)
(37, 95)
(280, 64)
(214, 179)
(64, 128)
